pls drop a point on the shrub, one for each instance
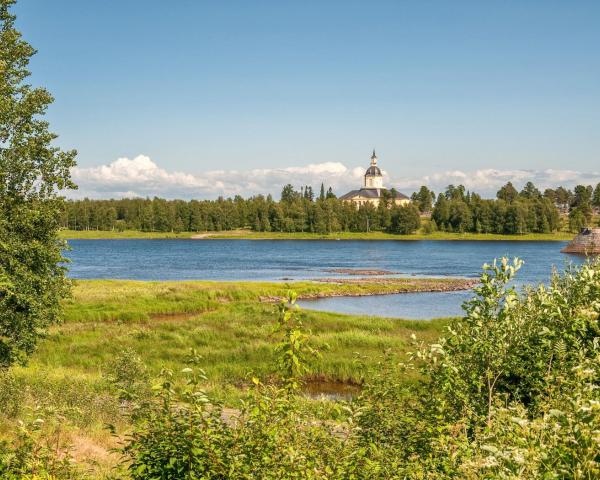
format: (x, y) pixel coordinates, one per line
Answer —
(12, 394)
(128, 376)
(37, 453)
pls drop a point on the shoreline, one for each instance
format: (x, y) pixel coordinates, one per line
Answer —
(340, 236)
(392, 287)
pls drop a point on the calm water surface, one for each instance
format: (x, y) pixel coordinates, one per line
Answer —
(289, 260)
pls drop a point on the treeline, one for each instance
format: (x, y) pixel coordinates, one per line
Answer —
(511, 212)
(454, 210)
(297, 211)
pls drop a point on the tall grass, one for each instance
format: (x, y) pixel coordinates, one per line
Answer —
(226, 323)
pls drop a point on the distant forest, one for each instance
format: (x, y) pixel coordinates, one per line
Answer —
(454, 210)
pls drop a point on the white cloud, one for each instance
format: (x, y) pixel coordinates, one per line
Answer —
(140, 176)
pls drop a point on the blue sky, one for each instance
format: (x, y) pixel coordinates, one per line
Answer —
(233, 96)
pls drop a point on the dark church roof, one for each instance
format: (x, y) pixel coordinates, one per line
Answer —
(373, 170)
(371, 193)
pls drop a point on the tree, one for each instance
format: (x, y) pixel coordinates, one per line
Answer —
(288, 194)
(424, 199)
(577, 220)
(550, 194)
(596, 197)
(530, 191)
(515, 219)
(308, 193)
(322, 192)
(582, 196)
(32, 172)
(455, 193)
(404, 219)
(441, 212)
(508, 193)
(460, 216)
(563, 196)
(582, 201)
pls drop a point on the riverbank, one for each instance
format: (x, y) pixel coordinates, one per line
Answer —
(251, 235)
(114, 234)
(225, 322)
(133, 300)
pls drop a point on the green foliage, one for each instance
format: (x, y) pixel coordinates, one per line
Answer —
(596, 196)
(181, 435)
(32, 171)
(293, 351)
(128, 374)
(423, 199)
(456, 210)
(577, 220)
(509, 391)
(508, 193)
(404, 219)
(12, 394)
(38, 452)
(512, 213)
(186, 435)
(482, 349)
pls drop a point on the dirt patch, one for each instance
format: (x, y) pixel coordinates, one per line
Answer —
(87, 451)
(230, 416)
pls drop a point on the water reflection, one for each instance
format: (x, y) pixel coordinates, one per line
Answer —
(330, 390)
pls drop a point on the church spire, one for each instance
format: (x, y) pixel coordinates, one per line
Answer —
(373, 158)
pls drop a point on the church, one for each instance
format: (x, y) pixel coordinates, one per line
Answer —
(373, 190)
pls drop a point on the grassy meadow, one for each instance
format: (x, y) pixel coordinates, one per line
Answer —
(228, 323)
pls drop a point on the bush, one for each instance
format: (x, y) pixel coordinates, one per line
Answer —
(12, 394)
(37, 453)
(128, 376)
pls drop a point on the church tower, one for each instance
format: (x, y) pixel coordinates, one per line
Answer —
(373, 177)
(372, 192)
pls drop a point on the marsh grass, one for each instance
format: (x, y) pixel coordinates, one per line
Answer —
(69, 377)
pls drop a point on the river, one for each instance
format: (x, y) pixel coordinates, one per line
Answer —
(291, 260)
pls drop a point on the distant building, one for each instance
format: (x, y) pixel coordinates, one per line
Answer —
(373, 190)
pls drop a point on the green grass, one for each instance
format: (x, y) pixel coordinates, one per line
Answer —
(131, 300)
(247, 234)
(113, 234)
(225, 322)
(250, 235)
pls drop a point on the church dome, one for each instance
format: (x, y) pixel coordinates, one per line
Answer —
(373, 171)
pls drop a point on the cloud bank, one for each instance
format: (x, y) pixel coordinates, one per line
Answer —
(142, 177)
